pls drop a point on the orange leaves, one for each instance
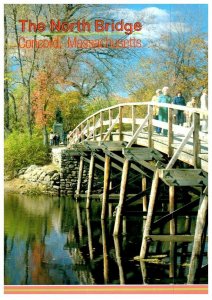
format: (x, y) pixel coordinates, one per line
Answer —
(42, 95)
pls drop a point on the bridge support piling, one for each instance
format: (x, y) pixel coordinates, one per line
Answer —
(121, 197)
(89, 230)
(106, 186)
(198, 240)
(79, 181)
(90, 181)
(143, 183)
(172, 232)
(149, 213)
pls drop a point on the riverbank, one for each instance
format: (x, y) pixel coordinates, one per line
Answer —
(21, 186)
(35, 180)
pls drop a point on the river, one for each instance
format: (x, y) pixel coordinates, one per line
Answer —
(50, 240)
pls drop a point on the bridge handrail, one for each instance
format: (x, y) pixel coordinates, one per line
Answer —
(148, 103)
(97, 127)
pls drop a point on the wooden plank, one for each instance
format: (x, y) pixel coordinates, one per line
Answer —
(139, 196)
(179, 150)
(111, 128)
(111, 145)
(140, 154)
(96, 165)
(113, 165)
(120, 159)
(169, 238)
(184, 177)
(134, 137)
(178, 212)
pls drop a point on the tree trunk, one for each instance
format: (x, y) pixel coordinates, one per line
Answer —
(29, 111)
(6, 85)
(45, 136)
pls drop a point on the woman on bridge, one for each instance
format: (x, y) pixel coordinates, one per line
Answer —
(163, 111)
(179, 100)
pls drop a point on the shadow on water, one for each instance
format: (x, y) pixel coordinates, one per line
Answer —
(57, 241)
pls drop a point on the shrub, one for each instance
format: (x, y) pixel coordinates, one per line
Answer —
(20, 151)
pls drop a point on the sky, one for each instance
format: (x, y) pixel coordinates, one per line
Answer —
(158, 19)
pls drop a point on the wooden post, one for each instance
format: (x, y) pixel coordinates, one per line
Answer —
(121, 197)
(196, 142)
(149, 213)
(106, 186)
(187, 225)
(90, 181)
(143, 271)
(110, 210)
(79, 181)
(172, 232)
(124, 225)
(79, 220)
(105, 253)
(144, 199)
(94, 130)
(120, 122)
(110, 121)
(170, 132)
(144, 189)
(118, 260)
(171, 208)
(150, 128)
(198, 240)
(88, 128)
(133, 119)
(90, 242)
(81, 130)
(101, 125)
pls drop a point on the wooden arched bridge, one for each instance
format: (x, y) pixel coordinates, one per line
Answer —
(124, 138)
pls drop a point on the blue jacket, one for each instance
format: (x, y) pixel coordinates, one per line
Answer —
(179, 101)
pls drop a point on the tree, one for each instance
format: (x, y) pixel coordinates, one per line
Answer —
(177, 59)
(6, 84)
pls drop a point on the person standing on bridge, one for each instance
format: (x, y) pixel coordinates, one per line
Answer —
(163, 111)
(179, 100)
(189, 114)
(156, 108)
(204, 106)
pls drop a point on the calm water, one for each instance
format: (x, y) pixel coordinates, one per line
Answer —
(57, 241)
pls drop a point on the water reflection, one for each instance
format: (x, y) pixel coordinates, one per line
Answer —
(58, 241)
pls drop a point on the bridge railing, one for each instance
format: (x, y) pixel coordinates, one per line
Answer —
(135, 118)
